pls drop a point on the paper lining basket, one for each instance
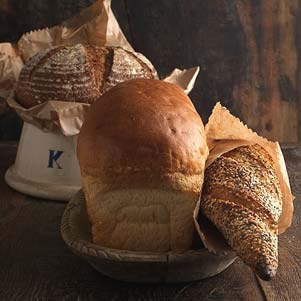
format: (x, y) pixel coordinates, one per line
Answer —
(46, 165)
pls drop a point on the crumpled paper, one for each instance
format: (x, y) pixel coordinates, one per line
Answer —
(10, 67)
(95, 25)
(184, 78)
(225, 132)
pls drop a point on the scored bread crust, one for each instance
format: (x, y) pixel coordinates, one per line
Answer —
(77, 73)
(241, 196)
(143, 135)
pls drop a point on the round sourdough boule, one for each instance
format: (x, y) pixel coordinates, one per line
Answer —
(78, 73)
(142, 152)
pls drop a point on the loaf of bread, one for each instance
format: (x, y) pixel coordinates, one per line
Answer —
(242, 198)
(78, 73)
(142, 152)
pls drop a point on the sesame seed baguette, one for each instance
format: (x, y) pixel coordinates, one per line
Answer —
(244, 199)
(248, 235)
(227, 176)
(241, 196)
(261, 163)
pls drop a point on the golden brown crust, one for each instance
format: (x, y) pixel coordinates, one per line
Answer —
(241, 196)
(76, 73)
(100, 60)
(142, 126)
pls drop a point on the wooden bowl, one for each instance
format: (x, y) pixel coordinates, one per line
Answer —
(136, 266)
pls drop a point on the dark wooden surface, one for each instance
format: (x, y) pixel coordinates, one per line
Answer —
(249, 51)
(35, 264)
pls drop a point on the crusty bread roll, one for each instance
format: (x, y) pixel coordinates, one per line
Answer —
(142, 153)
(78, 73)
(242, 197)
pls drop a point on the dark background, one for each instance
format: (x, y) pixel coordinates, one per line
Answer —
(248, 51)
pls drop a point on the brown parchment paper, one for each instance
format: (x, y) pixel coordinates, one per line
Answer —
(225, 132)
(184, 78)
(53, 116)
(10, 67)
(95, 25)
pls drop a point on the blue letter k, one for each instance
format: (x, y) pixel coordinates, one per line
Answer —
(53, 157)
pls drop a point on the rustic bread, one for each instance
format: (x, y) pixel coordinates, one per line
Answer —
(242, 197)
(142, 153)
(78, 73)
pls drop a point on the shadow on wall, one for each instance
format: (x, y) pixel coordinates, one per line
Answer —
(10, 125)
(19, 16)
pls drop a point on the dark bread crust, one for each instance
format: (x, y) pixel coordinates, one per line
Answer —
(77, 73)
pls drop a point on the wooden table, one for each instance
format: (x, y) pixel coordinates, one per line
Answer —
(35, 264)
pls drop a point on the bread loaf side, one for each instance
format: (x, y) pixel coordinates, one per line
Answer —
(142, 152)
